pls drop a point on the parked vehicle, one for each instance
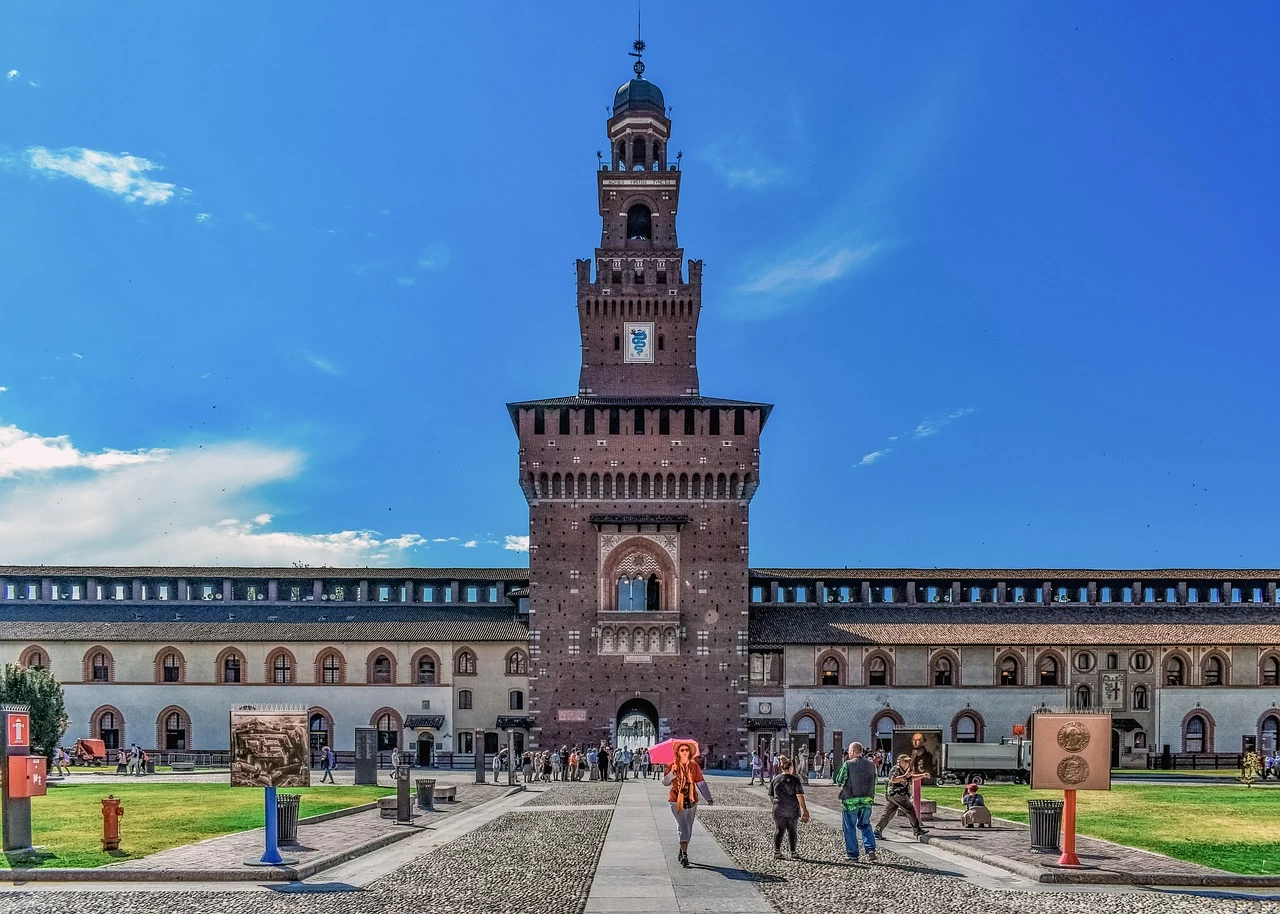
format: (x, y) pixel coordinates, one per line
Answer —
(977, 763)
(89, 752)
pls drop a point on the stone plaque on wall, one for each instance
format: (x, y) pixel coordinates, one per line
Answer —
(1112, 691)
(1071, 751)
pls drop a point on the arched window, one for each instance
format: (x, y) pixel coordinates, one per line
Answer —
(331, 668)
(1009, 671)
(1193, 734)
(1175, 672)
(1084, 697)
(1140, 698)
(639, 223)
(1048, 670)
(515, 701)
(281, 668)
(34, 658)
(173, 730)
(1271, 670)
(388, 726)
(831, 672)
(1214, 671)
(380, 670)
(426, 671)
(1269, 734)
(943, 671)
(231, 667)
(172, 668)
(101, 669)
(465, 665)
(517, 664)
(107, 724)
(965, 729)
(318, 730)
(882, 729)
(464, 700)
(878, 671)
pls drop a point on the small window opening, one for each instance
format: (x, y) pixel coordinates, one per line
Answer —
(615, 421)
(715, 421)
(639, 421)
(739, 421)
(617, 343)
(664, 414)
(639, 223)
(539, 421)
(662, 343)
(589, 421)
(688, 422)
(564, 422)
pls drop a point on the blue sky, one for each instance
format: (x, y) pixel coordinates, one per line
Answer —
(1008, 272)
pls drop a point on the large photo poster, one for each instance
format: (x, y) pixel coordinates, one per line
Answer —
(269, 748)
(923, 745)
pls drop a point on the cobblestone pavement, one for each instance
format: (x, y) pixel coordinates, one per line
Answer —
(728, 793)
(582, 793)
(823, 881)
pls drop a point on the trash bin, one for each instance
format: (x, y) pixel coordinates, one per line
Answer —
(426, 793)
(1046, 824)
(287, 818)
(151, 766)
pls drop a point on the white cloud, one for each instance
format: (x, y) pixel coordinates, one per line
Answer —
(161, 507)
(470, 544)
(435, 257)
(23, 452)
(205, 218)
(739, 163)
(405, 282)
(323, 364)
(12, 74)
(930, 427)
(447, 539)
(871, 458)
(806, 272)
(516, 543)
(3, 389)
(77, 355)
(123, 175)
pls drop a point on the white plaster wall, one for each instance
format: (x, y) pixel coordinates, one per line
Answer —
(1235, 713)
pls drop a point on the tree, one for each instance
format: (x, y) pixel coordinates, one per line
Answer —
(39, 691)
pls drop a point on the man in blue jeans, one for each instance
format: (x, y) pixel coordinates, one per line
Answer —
(857, 782)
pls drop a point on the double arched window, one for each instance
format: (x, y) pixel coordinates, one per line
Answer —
(465, 664)
(517, 664)
(638, 594)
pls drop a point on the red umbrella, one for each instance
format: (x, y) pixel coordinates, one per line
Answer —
(664, 753)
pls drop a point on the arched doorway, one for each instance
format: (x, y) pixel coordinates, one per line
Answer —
(1115, 748)
(426, 749)
(637, 724)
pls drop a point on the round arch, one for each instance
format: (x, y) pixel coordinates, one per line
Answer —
(659, 562)
(220, 666)
(1019, 670)
(96, 730)
(425, 669)
(1207, 667)
(884, 740)
(979, 725)
(110, 664)
(814, 719)
(1207, 735)
(869, 660)
(380, 673)
(1167, 661)
(288, 670)
(1060, 670)
(935, 673)
(822, 668)
(319, 729)
(162, 665)
(33, 652)
(1268, 668)
(636, 724)
(170, 737)
(1270, 716)
(327, 673)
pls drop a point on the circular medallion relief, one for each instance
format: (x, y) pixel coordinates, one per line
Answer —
(1073, 736)
(1073, 770)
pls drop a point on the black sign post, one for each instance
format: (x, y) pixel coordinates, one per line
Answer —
(366, 756)
(15, 804)
(477, 746)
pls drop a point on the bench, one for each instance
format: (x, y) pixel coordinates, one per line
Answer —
(447, 792)
(183, 766)
(387, 807)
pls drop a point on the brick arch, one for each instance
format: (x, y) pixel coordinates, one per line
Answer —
(515, 661)
(324, 654)
(158, 671)
(87, 665)
(380, 651)
(24, 659)
(1272, 711)
(328, 718)
(818, 724)
(160, 726)
(95, 724)
(667, 572)
(1187, 668)
(1058, 658)
(888, 713)
(1017, 657)
(421, 654)
(457, 662)
(269, 665)
(395, 718)
(218, 665)
(1209, 727)
(1222, 658)
(1266, 658)
(889, 671)
(945, 654)
(842, 666)
(979, 724)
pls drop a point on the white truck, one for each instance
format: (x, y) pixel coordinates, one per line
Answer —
(977, 763)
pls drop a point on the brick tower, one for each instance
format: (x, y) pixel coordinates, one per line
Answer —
(638, 487)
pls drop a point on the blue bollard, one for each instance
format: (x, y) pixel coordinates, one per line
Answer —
(272, 855)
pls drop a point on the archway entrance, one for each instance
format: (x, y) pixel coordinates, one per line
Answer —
(1115, 748)
(637, 725)
(426, 749)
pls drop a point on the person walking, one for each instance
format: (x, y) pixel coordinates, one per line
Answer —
(857, 782)
(757, 770)
(122, 762)
(898, 797)
(327, 764)
(686, 782)
(789, 808)
(135, 755)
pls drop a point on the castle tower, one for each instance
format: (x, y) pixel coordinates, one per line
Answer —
(638, 487)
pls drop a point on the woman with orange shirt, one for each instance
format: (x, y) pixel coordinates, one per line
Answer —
(686, 782)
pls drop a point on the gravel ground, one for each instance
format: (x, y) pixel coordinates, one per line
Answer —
(823, 882)
(517, 864)
(582, 793)
(732, 795)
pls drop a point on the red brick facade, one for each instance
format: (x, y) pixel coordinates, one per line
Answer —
(641, 480)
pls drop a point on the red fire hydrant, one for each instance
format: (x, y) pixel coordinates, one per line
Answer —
(111, 813)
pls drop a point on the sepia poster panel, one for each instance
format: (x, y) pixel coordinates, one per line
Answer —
(1071, 751)
(269, 748)
(923, 745)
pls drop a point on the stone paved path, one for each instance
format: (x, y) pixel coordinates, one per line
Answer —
(638, 871)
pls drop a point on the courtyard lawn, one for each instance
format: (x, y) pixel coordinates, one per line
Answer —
(1228, 827)
(67, 824)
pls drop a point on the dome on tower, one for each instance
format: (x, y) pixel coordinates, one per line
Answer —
(638, 95)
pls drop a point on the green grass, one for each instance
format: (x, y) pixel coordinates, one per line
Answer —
(67, 824)
(1227, 827)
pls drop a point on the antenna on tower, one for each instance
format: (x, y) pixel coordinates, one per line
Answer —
(638, 45)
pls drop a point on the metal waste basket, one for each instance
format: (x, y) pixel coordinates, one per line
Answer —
(1046, 824)
(287, 818)
(426, 793)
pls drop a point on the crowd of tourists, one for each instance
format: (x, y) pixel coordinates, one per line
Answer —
(596, 763)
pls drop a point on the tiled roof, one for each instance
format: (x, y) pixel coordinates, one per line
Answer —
(1020, 574)
(290, 573)
(934, 624)
(202, 622)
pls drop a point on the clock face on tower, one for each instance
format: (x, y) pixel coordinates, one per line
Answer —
(637, 342)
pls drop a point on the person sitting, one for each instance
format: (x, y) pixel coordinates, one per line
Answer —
(975, 808)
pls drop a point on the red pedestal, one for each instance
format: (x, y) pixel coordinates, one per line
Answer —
(1069, 857)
